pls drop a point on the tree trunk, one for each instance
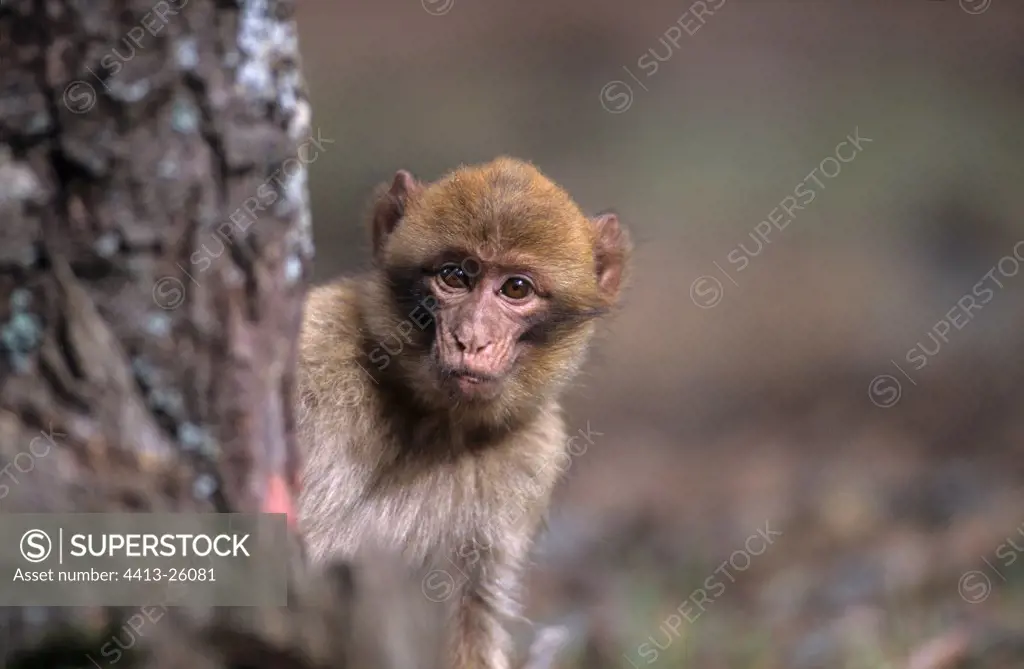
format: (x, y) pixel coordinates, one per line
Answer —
(147, 316)
(155, 244)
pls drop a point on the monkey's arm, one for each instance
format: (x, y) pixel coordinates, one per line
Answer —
(481, 640)
(491, 598)
(521, 493)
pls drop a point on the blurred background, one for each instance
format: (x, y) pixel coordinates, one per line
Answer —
(806, 447)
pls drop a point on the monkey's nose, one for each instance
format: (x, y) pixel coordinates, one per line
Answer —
(471, 345)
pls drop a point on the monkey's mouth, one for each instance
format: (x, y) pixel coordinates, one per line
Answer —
(471, 378)
(473, 385)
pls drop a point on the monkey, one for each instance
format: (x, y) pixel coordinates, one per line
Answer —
(429, 385)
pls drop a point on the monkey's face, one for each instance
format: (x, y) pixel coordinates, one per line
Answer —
(481, 314)
(494, 277)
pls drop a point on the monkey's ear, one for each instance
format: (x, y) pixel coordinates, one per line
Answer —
(612, 249)
(390, 207)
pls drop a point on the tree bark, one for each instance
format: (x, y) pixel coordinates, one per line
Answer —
(145, 319)
(155, 245)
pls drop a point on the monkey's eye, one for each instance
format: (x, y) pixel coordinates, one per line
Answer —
(517, 288)
(453, 276)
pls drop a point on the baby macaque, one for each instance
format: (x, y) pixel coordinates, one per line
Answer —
(429, 386)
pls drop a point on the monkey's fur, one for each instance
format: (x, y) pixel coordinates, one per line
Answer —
(407, 450)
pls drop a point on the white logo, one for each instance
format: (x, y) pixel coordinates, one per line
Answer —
(36, 545)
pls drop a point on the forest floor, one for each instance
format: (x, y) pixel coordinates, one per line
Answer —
(828, 546)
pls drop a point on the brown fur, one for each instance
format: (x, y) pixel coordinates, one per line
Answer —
(393, 462)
